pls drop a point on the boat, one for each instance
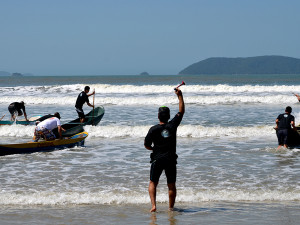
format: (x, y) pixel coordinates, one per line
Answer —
(294, 137)
(31, 121)
(30, 147)
(74, 126)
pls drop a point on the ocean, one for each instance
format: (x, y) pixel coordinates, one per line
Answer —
(228, 172)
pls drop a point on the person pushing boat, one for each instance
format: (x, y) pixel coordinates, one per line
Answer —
(17, 109)
(44, 128)
(82, 98)
(284, 122)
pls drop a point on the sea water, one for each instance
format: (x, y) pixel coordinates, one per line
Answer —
(229, 171)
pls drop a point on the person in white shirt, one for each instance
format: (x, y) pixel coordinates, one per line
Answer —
(44, 128)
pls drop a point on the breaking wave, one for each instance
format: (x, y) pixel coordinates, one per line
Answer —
(186, 131)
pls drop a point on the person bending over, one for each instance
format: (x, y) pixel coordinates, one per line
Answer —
(17, 109)
(44, 128)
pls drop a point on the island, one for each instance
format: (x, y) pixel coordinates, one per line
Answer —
(16, 75)
(247, 65)
(144, 74)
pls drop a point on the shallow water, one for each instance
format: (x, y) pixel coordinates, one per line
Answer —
(229, 171)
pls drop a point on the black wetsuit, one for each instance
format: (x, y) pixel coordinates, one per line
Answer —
(81, 99)
(284, 126)
(16, 107)
(163, 138)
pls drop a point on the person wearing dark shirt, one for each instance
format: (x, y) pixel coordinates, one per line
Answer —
(161, 140)
(17, 109)
(283, 125)
(82, 98)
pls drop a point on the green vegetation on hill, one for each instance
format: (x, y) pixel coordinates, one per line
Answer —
(249, 65)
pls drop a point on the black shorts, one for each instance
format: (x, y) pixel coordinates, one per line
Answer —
(80, 113)
(158, 166)
(282, 136)
(12, 110)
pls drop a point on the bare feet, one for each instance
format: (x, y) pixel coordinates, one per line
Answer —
(153, 209)
(171, 209)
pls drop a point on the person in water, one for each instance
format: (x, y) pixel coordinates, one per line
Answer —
(161, 140)
(82, 98)
(17, 109)
(298, 97)
(44, 128)
(283, 125)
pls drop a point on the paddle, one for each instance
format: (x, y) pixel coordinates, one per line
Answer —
(182, 83)
(2, 117)
(93, 107)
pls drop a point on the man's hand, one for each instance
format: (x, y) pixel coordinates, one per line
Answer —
(178, 92)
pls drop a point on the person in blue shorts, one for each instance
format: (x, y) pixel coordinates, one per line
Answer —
(161, 140)
(283, 124)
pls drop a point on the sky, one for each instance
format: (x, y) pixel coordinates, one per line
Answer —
(128, 37)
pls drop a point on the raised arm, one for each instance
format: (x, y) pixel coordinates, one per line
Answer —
(181, 102)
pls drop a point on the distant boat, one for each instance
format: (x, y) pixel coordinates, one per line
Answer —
(30, 147)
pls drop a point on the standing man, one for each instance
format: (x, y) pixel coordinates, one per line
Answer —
(283, 125)
(44, 128)
(82, 98)
(161, 140)
(16, 109)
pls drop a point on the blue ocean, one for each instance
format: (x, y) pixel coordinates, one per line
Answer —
(228, 171)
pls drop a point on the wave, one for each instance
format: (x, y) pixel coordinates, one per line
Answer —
(185, 131)
(153, 100)
(110, 89)
(139, 197)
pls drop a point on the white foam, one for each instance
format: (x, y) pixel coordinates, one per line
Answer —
(153, 100)
(108, 88)
(16, 131)
(141, 197)
(193, 131)
(189, 131)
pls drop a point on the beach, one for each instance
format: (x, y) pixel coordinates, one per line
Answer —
(228, 171)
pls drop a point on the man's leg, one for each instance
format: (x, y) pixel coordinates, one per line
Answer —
(172, 195)
(152, 194)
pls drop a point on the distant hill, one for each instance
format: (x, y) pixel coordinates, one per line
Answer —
(249, 65)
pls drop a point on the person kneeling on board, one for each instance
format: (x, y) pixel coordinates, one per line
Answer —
(44, 128)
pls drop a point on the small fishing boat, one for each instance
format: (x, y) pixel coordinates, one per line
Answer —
(31, 121)
(74, 126)
(294, 137)
(30, 147)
